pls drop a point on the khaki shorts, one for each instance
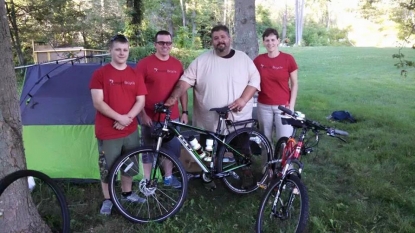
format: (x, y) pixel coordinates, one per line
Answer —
(110, 150)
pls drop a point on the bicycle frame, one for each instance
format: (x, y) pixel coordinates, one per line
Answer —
(171, 126)
(292, 151)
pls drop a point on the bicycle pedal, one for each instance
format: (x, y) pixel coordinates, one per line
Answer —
(262, 186)
(210, 186)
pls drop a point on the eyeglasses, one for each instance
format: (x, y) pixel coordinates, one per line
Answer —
(119, 37)
(161, 43)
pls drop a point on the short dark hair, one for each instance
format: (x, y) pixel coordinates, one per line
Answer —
(270, 31)
(219, 27)
(117, 38)
(162, 32)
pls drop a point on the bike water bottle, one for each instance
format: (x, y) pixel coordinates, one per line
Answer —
(209, 149)
(197, 147)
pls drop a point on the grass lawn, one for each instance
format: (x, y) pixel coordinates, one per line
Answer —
(363, 185)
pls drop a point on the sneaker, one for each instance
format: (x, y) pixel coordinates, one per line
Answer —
(228, 158)
(296, 191)
(133, 197)
(247, 178)
(106, 207)
(172, 181)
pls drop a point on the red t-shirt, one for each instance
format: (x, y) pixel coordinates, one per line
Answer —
(275, 75)
(120, 87)
(160, 78)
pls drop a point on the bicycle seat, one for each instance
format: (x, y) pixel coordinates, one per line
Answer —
(223, 110)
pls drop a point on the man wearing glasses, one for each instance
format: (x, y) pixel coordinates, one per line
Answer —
(161, 73)
(118, 95)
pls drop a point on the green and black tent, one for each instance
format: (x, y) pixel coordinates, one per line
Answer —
(58, 120)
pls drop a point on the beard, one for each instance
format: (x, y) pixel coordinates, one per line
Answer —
(220, 48)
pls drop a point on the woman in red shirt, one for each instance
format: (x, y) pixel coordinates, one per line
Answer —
(279, 85)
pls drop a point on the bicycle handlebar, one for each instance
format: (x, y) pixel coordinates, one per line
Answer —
(341, 132)
(286, 110)
(161, 108)
(329, 130)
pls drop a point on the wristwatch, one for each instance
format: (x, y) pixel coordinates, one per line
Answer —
(185, 112)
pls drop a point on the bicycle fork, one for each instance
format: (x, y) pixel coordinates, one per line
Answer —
(280, 209)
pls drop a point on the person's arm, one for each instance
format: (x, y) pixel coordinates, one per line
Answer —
(250, 90)
(145, 119)
(247, 94)
(180, 88)
(137, 107)
(183, 102)
(105, 109)
(294, 88)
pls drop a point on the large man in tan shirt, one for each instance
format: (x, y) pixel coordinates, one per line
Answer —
(220, 77)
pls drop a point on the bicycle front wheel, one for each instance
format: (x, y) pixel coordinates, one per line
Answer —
(247, 162)
(46, 195)
(286, 211)
(155, 199)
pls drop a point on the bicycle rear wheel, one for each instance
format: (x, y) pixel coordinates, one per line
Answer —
(286, 211)
(46, 195)
(162, 200)
(247, 170)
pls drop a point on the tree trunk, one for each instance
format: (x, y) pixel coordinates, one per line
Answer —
(170, 9)
(14, 32)
(284, 24)
(194, 22)
(245, 28)
(85, 39)
(328, 15)
(183, 8)
(299, 21)
(17, 211)
(225, 11)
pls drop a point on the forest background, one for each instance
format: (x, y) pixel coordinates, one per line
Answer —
(90, 23)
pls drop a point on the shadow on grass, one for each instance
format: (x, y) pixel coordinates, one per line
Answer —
(204, 211)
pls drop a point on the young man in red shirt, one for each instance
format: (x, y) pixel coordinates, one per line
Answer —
(118, 94)
(161, 73)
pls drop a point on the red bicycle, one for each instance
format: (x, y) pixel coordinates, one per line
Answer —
(285, 201)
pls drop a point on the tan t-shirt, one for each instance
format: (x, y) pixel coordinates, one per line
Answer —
(218, 82)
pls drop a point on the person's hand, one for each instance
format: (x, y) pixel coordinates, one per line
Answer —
(170, 101)
(237, 105)
(118, 126)
(184, 119)
(146, 120)
(288, 106)
(125, 120)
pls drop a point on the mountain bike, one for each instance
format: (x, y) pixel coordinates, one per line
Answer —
(239, 157)
(46, 195)
(284, 205)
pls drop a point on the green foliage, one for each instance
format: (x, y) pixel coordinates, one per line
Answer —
(403, 63)
(186, 56)
(403, 17)
(146, 35)
(184, 39)
(263, 20)
(134, 14)
(137, 53)
(317, 35)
